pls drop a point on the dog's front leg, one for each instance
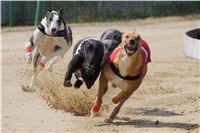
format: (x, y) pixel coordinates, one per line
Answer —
(74, 64)
(32, 44)
(79, 79)
(121, 98)
(103, 87)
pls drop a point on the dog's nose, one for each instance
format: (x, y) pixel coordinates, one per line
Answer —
(53, 30)
(132, 41)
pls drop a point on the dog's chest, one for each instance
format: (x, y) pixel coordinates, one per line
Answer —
(117, 81)
(124, 64)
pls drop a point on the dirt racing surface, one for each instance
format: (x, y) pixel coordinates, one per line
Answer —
(167, 101)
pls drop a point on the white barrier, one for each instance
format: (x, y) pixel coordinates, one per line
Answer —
(192, 43)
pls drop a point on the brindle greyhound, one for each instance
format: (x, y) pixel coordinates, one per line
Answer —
(50, 41)
(125, 68)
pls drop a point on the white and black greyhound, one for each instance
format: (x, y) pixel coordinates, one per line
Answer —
(50, 41)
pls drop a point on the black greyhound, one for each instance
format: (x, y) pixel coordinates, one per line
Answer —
(86, 63)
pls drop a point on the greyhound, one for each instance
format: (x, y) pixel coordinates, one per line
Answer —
(50, 41)
(125, 68)
(86, 62)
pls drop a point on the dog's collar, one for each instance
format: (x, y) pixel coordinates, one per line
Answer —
(60, 33)
(116, 71)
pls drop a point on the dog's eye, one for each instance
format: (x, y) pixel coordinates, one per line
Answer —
(50, 19)
(127, 36)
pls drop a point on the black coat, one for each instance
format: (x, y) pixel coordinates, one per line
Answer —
(86, 63)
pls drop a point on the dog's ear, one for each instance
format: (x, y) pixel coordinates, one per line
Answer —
(60, 12)
(137, 36)
(118, 38)
(124, 36)
(49, 10)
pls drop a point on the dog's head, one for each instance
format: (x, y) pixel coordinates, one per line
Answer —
(110, 45)
(130, 42)
(112, 34)
(93, 53)
(54, 21)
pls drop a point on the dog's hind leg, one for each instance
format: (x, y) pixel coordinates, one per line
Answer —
(103, 87)
(36, 59)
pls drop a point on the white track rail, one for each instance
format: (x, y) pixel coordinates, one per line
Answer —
(192, 45)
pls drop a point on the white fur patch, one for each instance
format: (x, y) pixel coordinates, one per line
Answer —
(124, 64)
(54, 23)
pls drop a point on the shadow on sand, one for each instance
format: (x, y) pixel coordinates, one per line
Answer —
(151, 112)
(140, 123)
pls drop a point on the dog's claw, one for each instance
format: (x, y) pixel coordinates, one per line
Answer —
(68, 84)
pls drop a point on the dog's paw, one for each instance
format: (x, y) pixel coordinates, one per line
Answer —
(93, 114)
(27, 88)
(78, 83)
(95, 108)
(67, 83)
